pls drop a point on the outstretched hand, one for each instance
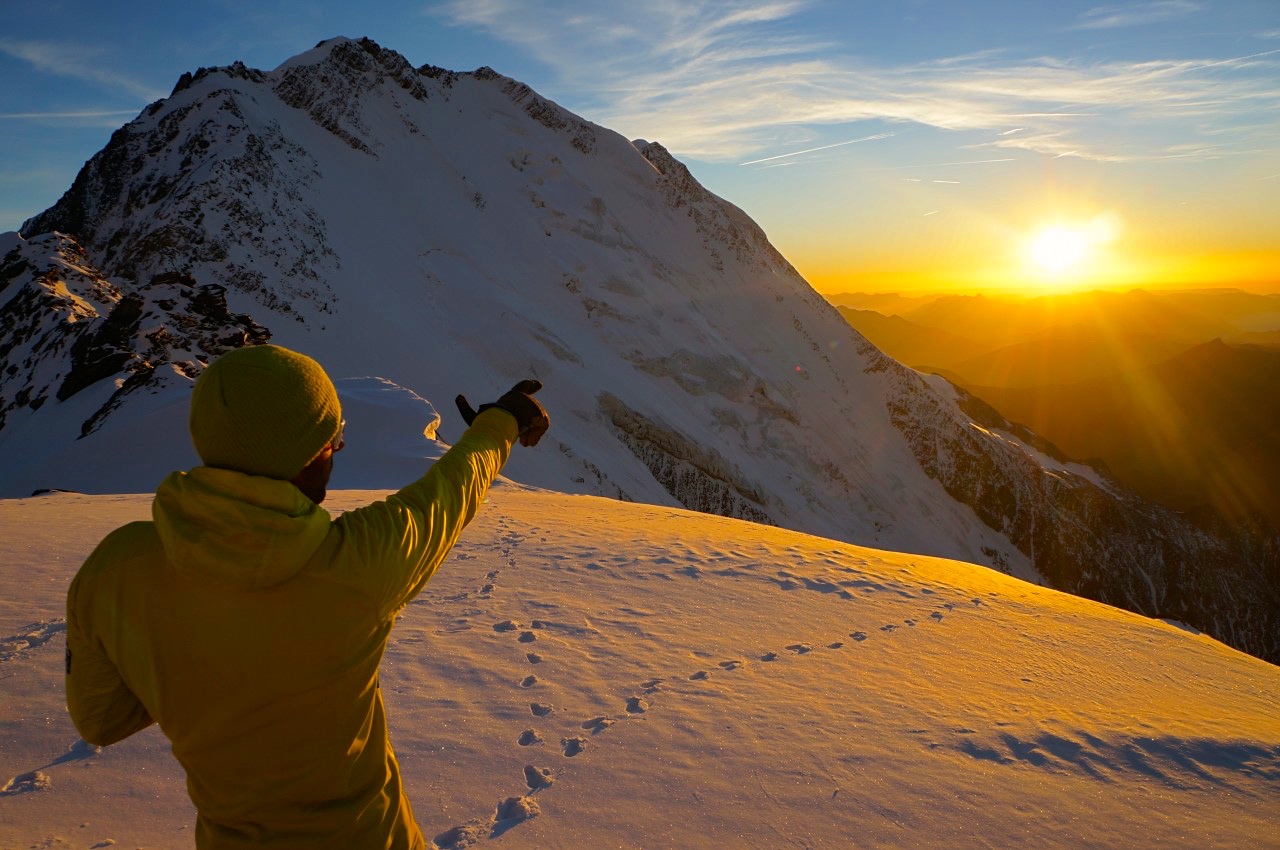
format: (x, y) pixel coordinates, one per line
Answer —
(531, 417)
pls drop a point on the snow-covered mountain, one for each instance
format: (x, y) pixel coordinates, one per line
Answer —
(451, 233)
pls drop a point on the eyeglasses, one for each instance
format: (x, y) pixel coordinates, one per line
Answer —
(338, 441)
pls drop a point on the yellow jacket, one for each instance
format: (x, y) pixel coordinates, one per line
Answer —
(250, 626)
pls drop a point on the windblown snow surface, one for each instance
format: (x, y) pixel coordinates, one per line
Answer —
(588, 673)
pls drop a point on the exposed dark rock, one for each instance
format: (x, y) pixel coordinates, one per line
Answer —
(104, 352)
(68, 327)
(698, 477)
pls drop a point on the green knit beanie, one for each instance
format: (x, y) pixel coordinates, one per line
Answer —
(263, 410)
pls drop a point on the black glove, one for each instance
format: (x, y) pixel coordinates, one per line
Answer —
(531, 417)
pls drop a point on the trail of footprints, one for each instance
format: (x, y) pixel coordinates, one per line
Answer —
(515, 810)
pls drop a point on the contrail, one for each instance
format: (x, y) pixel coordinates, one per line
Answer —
(823, 148)
(1229, 61)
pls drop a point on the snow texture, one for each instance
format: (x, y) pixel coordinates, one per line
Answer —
(588, 673)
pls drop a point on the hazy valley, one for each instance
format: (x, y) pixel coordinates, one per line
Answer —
(1176, 393)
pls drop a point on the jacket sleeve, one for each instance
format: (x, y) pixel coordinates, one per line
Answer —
(393, 547)
(101, 705)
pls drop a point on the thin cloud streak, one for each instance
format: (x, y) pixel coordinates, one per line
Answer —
(74, 61)
(722, 87)
(1136, 14)
(874, 138)
(27, 116)
(948, 164)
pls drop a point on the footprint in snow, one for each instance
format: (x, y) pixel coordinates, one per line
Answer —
(527, 637)
(528, 681)
(539, 709)
(24, 783)
(891, 627)
(570, 747)
(512, 811)
(533, 657)
(769, 656)
(836, 645)
(538, 778)
(598, 724)
(800, 648)
(506, 626)
(858, 636)
(529, 737)
(651, 685)
(937, 615)
(636, 705)
(700, 676)
(730, 665)
(459, 837)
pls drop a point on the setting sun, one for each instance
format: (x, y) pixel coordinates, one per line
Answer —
(1061, 254)
(1059, 249)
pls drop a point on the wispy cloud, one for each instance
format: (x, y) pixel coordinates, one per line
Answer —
(72, 116)
(728, 85)
(78, 62)
(1136, 14)
(947, 165)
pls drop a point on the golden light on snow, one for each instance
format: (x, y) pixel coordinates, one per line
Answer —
(1065, 255)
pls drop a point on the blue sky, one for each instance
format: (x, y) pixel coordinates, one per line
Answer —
(904, 142)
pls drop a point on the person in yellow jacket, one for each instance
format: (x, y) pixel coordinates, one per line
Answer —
(249, 624)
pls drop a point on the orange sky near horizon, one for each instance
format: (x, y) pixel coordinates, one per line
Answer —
(1251, 271)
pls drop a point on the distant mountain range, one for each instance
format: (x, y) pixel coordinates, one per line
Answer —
(455, 232)
(1192, 426)
(1201, 429)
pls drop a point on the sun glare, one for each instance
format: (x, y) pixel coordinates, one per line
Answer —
(1059, 249)
(1063, 255)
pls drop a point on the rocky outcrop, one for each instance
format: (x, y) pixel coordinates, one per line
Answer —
(698, 477)
(185, 186)
(65, 327)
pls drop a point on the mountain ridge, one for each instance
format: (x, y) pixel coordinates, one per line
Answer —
(453, 232)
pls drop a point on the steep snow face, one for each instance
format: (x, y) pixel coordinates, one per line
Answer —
(457, 232)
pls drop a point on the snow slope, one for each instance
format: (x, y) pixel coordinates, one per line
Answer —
(602, 674)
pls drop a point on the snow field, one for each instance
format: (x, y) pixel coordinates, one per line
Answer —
(588, 673)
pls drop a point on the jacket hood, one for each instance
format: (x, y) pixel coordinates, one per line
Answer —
(235, 530)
